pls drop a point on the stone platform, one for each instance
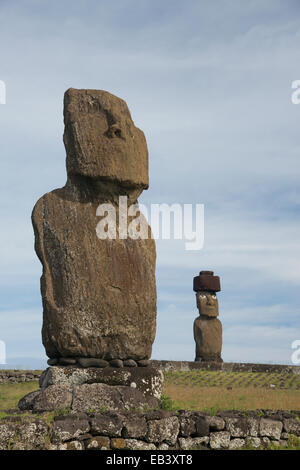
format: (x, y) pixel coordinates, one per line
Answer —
(96, 389)
(166, 365)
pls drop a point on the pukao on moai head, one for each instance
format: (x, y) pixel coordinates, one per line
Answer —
(207, 328)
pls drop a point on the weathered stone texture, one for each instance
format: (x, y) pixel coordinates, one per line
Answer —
(102, 141)
(99, 296)
(98, 396)
(147, 380)
(208, 338)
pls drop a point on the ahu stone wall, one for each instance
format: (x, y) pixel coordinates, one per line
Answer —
(15, 376)
(154, 430)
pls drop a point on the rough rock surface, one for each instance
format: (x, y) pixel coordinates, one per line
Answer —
(208, 338)
(67, 429)
(97, 396)
(270, 428)
(102, 141)
(54, 397)
(163, 430)
(148, 380)
(193, 443)
(99, 295)
(26, 403)
(219, 440)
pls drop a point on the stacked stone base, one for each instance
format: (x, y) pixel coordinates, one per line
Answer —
(156, 430)
(95, 389)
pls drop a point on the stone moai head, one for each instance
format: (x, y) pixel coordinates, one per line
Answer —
(102, 142)
(206, 285)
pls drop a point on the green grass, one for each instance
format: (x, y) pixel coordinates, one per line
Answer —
(203, 378)
(11, 393)
(214, 391)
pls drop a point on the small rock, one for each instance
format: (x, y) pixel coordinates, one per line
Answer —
(92, 362)
(144, 363)
(236, 444)
(67, 361)
(292, 426)
(219, 440)
(215, 423)
(253, 442)
(253, 426)
(165, 429)
(133, 444)
(187, 424)
(134, 427)
(52, 362)
(116, 363)
(237, 427)
(265, 441)
(193, 443)
(270, 428)
(130, 363)
(107, 424)
(118, 443)
(75, 445)
(202, 427)
(163, 446)
(98, 443)
(26, 403)
(7, 432)
(69, 429)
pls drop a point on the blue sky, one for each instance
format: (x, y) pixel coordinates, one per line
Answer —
(209, 82)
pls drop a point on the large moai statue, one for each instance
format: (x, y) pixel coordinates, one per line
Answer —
(207, 327)
(99, 295)
(98, 292)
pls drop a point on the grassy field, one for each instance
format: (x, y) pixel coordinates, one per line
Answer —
(11, 393)
(218, 391)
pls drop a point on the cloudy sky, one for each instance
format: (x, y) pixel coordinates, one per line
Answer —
(209, 82)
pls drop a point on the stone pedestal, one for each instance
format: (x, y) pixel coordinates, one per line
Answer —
(96, 389)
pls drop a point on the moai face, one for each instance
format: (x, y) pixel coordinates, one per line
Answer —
(102, 141)
(207, 303)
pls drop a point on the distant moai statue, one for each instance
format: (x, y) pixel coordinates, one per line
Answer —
(207, 327)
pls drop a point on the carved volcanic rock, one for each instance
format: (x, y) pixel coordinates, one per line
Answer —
(99, 296)
(208, 338)
(148, 380)
(102, 141)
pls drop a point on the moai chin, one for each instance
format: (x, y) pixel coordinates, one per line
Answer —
(99, 295)
(207, 327)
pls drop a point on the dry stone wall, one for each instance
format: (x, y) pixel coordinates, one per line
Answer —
(166, 365)
(156, 430)
(15, 376)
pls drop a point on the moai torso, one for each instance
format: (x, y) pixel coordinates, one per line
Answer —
(99, 295)
(207, 327)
